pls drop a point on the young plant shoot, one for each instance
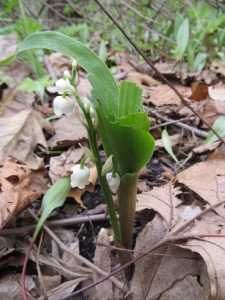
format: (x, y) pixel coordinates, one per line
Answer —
(114, 113)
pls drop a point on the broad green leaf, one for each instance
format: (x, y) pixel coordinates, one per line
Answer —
(104, 85)
(136, 120)
(54, 197)
(131, 148)
(168, 145)
(129, 98)
(183, 37)
(219, 127)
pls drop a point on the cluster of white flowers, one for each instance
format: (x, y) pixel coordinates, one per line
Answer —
(81, 177)
(65, 104)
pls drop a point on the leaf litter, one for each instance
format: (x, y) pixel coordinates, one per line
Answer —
(189, 269)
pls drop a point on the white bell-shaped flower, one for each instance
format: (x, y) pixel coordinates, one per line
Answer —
(64, 86)
(113, 181)
(63, 105)
(80, 177)
(61, 86)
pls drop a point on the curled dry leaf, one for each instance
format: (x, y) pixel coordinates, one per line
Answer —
(61, 165)
(163, 200)
(207, 235)
(163, 95)
(68, 131)
(19, 137)
(199, 91)
(19, 188)
(103, 261)
(207, 179)
(161, 271)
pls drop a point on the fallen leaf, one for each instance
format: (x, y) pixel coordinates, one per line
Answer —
(19, 137)
(164, 95)
(199, 91)
(205, 148)
(206, 179)
(68, 132)
(163, 200)
(102, 260)
(61, 165)
(8, 45)
(217, 92)
(218, 67)
(19, 188)
(160, 271)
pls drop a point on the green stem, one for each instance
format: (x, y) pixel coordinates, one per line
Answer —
(127, 203)
(104, 184)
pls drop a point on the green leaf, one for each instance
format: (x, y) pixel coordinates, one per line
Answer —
(200, 61)
(105, 88)
(129, 98)
(183, 37)
(102, 52)
(168, 145)
(54, 197)
(219, 127)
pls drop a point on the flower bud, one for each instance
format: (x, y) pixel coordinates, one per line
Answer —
(80, 177)
(66, 74)
(113, 181)
(64, 86)
(108, 166)
(74, 64)
(63, 105)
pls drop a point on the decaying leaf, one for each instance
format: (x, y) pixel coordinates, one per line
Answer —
(102, 260)
(68, 131)
(160, 271)
(19, 137)
(61, 165)
(164, 95)
(207, 179)
(163, 200)
(199, 91)
(19, 188)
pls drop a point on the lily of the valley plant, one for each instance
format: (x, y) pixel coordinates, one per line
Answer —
(114, 113)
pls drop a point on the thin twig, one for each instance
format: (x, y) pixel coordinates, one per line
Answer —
(118, 283)
(163, 78)
(64, 222)
(168, 238)
(198, 132)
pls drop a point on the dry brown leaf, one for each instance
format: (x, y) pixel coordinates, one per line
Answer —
(68, 132)
(218, 67)
(205, 148)
(19, 188)
(19, 137)
(164, 95)
(141, 79)
(163, 200)
(102, 260)
(61, 165)
(199, 91)
(207, 179)
(155, 274)
(217, 92)
(8, 45)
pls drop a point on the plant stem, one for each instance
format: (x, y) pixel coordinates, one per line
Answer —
(104, 185)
